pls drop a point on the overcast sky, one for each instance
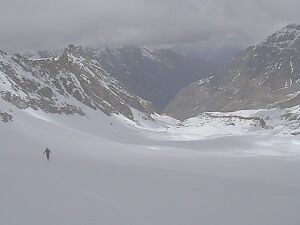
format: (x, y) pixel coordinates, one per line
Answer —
(42, 24)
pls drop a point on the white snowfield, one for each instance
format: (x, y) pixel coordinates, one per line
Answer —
(112, 171)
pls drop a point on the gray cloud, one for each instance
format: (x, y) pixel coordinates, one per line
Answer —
(41, 24)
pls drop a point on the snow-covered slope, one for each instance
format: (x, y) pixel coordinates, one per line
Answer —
(113, 164)
(262, 122)
(113, 171)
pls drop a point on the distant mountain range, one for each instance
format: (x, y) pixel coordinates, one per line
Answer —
(153, 74)
(116, 80)
(266, 75)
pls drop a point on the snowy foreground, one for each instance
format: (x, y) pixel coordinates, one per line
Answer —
(111, 171)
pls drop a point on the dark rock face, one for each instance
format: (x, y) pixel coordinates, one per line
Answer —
(155, 75)
(64, 84)
(263, 76)
(260, 121)
(5, 117)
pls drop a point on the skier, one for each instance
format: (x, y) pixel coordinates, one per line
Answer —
(47, 152)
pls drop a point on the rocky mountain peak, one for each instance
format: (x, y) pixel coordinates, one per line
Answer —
(293, 26)
(73, 50)
(285, 37)
(2, 53)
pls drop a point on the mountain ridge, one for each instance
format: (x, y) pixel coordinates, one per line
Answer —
(60, 84)
(266, 75)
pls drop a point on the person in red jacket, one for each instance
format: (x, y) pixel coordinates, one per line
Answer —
(47, 152)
